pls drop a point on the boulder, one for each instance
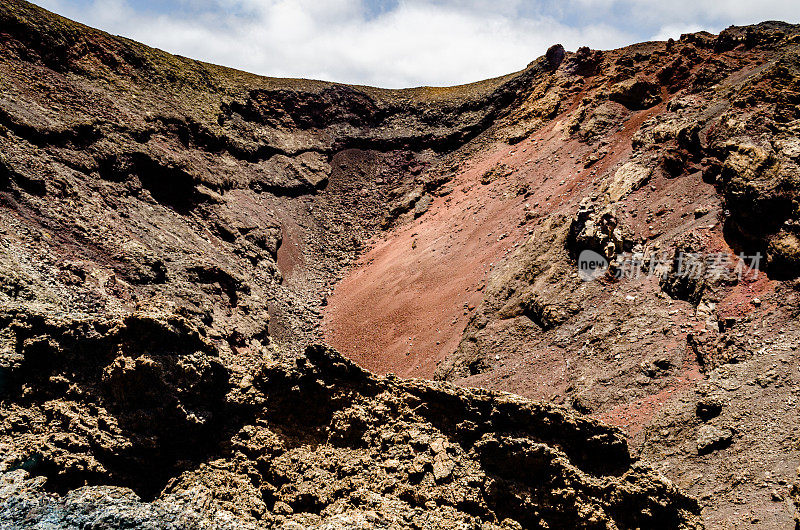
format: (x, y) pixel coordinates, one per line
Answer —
(599, 121)
(555, 55)
(596, 227)
(585, 61)
(710, 439)
(630, 177)
(783, 255)
(422, 205)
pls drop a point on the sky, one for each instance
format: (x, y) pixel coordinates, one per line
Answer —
(404, 43)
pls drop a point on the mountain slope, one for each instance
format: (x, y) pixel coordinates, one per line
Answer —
(169, 232)
(675, 157)
(172, 233)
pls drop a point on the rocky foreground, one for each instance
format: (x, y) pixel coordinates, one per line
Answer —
(172, 232)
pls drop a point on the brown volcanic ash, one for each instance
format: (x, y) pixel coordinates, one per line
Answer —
(172, 230)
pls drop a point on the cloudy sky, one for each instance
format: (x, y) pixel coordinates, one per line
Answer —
(400, 43)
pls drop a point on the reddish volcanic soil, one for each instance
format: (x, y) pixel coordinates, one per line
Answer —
(410, 295)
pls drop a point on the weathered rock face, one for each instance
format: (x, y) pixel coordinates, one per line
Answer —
(596, 227)
(165, 180)
(636, 93)
(691, 145)
(127, 401)
(752, 158)
(169, 231)
(317, 441)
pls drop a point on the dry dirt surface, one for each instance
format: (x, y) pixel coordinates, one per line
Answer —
(185, 247)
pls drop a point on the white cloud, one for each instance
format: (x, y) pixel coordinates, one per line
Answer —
(416, 43)
(700, 12)
(436, 42)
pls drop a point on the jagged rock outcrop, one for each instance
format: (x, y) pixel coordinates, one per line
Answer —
(596, 227)
(142, 409)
